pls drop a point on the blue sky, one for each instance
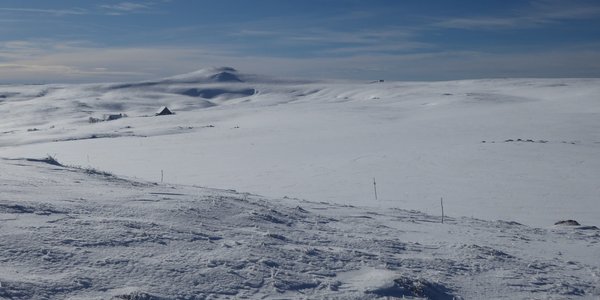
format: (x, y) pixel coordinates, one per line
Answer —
(87, 41)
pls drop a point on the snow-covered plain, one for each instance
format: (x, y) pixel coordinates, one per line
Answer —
(326, 141)
(515, 150)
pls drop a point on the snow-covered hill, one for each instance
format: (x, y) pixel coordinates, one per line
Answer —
(81, 234)
(510, 157)
(511, 149)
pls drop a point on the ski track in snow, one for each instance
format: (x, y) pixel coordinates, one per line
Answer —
(77, 234)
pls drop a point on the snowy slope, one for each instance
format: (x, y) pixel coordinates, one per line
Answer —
(524, 150)
(70, 233)
(511, 149)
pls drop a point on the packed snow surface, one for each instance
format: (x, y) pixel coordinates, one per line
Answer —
(71, 233)
(508, 151)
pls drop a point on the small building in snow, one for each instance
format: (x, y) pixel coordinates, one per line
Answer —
(164, 111)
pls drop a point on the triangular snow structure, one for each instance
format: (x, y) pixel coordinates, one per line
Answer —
(163, 111)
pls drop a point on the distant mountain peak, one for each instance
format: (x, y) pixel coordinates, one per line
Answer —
(224, 69)
(213, 74)
(225, 77)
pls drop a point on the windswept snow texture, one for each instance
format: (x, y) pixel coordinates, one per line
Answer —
(525, 150)
(68, 233)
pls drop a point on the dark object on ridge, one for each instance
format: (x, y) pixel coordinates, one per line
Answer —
(226, 76)
(164, 111)
(568, 223)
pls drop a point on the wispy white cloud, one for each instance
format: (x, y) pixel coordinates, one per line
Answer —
(121, 8)
(255, 33)
(70, 62)
(538, 13)
(318, 35)
(338, 42)
(551, 10)
(64, 70)
(32, 73)
(125, 7)
(378, 48)
(56, 61)
(480, 23)
(16, 50)
(56, 12)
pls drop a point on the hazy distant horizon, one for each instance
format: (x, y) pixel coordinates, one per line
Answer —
(114, 41)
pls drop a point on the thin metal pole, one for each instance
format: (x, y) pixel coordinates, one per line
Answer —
(442, 204)
(375, 188)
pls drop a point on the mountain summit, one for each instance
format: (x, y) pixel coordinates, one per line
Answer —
(208, 75)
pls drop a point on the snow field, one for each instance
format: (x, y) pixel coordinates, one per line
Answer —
(510, 149)
(268, 189)
(78, 234)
